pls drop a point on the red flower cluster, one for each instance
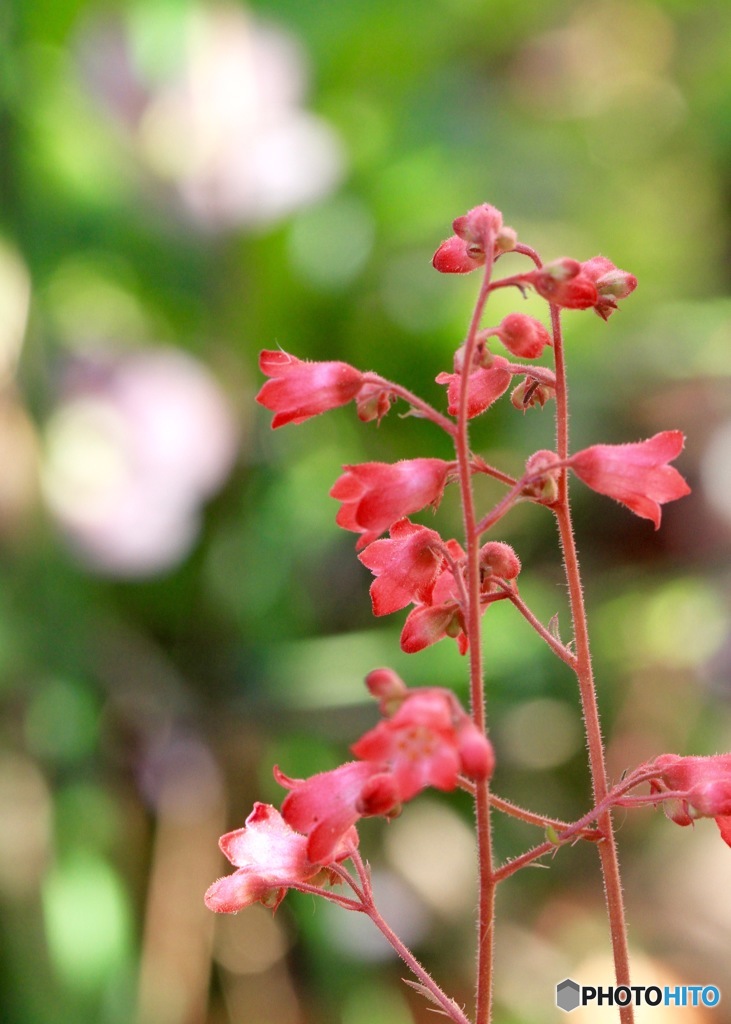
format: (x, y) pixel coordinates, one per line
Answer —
(465, 250)
(424, 739)
(595, 283)
(416, 566)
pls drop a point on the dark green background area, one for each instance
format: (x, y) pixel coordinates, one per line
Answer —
(141, 717)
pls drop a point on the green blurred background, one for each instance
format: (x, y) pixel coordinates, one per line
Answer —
(183, 184)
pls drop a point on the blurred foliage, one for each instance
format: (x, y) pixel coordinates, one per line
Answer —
(149, 680)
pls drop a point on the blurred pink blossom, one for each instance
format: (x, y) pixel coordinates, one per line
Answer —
(224, 123)
(135, 446)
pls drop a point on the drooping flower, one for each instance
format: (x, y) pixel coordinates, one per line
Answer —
(637, 475)
(523, 335)
(406, 566)
(563, 283)
(441, 616)
(465, 250)
(325, 807)
(426, 624)
(300, 389)
(375, 494)
(428, 741)
(701, 788)
(611, 284)
(270, 857)
(485, 386)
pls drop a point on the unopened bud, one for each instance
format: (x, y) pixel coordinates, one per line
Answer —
(523, 335)
(499, 559)
(476, 754)
(388, 688)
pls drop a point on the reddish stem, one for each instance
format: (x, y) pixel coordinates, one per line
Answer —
(486, 899)
(427, 411)
(368, 906)
(556, 646)
(585, 677)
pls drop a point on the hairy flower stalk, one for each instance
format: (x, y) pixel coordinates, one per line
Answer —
(585, 676)
(486, 895)
(425, 738)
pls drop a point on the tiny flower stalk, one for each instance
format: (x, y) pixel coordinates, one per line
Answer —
(425, 738)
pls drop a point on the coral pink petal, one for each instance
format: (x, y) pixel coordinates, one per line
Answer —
(452, 257)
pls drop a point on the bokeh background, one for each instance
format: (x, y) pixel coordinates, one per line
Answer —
(183, 184)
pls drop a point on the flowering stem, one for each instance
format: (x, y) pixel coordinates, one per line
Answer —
(480, 466)
(580, 829)
(426, 410)
(327, 894)
(502, 508)
(556, 646)
(585, 677)
(368, 906)
(486, 901)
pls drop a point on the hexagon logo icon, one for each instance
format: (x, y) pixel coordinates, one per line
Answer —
(568, 995)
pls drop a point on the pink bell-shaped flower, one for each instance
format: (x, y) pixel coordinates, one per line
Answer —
(523, 335)
(300, 389)
(485, 386)
(376, 494)
(637, 475)
(406, 566)
(270, 856)
(701, 788)
(325, 807)
(428, 741)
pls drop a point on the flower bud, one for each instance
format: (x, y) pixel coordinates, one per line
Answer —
(563, 284)
(505, 240)
(388, 688)
(477, 225)
(523, 335)
(499, 559)
(476, 753)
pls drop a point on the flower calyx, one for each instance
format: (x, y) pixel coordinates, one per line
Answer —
(542, 473)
